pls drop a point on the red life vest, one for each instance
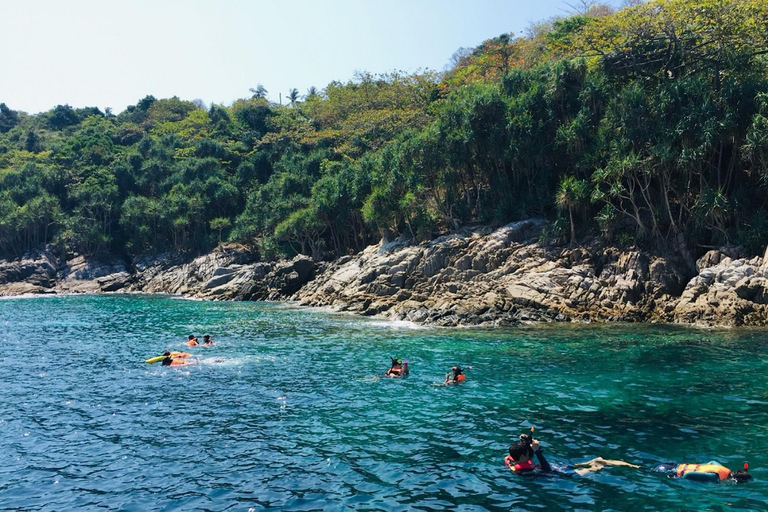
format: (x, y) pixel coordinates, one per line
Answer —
(521, 467)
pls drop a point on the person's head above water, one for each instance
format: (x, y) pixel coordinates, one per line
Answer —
(521, 450)
(167, 353)
(206, 336)
(742, 475)
(191, 337)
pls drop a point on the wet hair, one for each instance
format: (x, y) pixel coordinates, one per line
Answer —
(191, 337)
(167, 353)
(741, 476)
(522, 447)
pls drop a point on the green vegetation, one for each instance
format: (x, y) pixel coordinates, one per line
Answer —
(648, 126)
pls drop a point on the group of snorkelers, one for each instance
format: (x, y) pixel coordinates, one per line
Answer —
(521, 453)
(179, 358)
(399, 368)
(192, 340)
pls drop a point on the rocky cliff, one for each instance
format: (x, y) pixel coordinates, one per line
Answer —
(504, 277)
(474, 277)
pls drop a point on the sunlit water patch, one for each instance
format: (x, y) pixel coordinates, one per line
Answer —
(289, 410)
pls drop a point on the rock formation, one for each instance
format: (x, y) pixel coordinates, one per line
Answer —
(473, 277)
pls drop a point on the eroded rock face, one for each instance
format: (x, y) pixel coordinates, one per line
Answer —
(727, 292)
(480, 277)
(35, 272)
(505, 277)
(79, 275)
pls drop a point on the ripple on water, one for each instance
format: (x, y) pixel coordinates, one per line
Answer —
(288, 410)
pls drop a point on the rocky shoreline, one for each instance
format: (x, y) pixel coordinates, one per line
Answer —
(478, 277)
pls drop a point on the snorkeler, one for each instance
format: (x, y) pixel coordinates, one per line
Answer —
(709, 472)
(398, 368)
(456, 375)
(520, 458)
(521, 454)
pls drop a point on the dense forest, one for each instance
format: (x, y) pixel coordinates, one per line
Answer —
(646, 126)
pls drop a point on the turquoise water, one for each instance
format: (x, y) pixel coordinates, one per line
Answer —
(286, 411)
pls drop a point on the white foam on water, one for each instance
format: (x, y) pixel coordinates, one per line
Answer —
(397, 324)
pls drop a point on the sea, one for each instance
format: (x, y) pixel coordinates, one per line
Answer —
(289, 410)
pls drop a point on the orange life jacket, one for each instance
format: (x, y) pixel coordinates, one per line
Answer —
(694, 470)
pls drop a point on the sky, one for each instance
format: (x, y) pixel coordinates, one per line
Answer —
(111, 53)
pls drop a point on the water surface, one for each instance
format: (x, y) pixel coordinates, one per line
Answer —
(287, 411)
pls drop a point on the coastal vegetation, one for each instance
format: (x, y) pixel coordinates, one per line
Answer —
(644, 126)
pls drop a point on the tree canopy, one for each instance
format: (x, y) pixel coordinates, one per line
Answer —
(647, 125)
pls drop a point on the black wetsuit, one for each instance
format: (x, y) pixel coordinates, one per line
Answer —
(544, 466)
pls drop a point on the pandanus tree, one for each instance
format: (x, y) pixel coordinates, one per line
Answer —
(570, 196)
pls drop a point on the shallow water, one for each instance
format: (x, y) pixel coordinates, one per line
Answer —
(287, 411)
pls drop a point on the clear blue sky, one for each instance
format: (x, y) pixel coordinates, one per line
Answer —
(109, 53)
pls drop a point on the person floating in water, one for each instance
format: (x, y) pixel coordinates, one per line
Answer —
(207, 340)
(709, 472)
(192, 340)
(520, 458)
(456, 375)
(521, 454)
(175, 359)
(398, 368)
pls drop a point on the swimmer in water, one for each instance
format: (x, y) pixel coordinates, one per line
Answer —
(167, 360)
(192, 340)
(709, 472)
(397, 369)
(456, 375)
(520, 458)
(207, 339)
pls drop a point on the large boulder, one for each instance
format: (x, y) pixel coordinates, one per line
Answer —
(35, 272)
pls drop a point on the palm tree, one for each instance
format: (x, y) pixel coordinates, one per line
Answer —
(570, 196)
(258, 92)
(293, 95)
(311, 92)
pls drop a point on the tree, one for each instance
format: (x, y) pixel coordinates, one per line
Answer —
(258, 92)
(293, 95)
(8, 118)
(61, 117)
(220, 224)
(570, 196)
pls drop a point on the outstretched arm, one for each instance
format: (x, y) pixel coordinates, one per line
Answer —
(538, 452)
(542, 461)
